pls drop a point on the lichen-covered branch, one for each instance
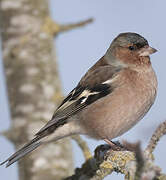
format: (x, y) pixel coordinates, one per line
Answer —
(104, 162)
(132, 162)
(140, 160)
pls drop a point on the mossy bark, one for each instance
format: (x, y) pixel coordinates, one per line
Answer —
(33, 86)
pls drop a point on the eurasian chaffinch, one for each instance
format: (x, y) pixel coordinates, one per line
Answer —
(111, 97)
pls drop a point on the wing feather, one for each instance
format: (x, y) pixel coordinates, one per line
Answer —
(83, 95)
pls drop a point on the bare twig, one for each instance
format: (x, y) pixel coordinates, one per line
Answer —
(159, 132)
(83, 145)
(53, 28)
(68, 27)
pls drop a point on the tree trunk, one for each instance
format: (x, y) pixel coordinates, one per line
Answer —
(33, 86)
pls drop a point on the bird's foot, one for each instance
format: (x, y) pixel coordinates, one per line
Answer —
(115, 146)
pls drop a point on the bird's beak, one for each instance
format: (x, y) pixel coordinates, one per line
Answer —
(146, 51)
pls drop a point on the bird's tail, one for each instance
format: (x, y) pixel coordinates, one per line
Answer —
(27, 148)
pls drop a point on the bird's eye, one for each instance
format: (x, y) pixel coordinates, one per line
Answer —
(131, 48)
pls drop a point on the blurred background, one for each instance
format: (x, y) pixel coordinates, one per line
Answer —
(79, 49)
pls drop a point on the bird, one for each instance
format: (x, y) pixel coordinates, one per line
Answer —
(112, 96)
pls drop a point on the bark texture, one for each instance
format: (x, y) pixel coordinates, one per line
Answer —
(33, 86)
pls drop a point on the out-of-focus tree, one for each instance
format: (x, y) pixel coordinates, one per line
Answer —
(33, 84)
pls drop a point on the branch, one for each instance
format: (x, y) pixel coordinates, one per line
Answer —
(132, 162)
(104, 162)
(53, 28)
(83, 145)
(140, 160)
(159, 132)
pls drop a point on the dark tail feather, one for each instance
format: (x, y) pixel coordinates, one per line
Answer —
(33, 144)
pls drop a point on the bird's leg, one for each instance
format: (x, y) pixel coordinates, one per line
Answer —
(116, 146)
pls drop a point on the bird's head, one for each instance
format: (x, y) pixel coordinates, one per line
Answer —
(129, 49)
